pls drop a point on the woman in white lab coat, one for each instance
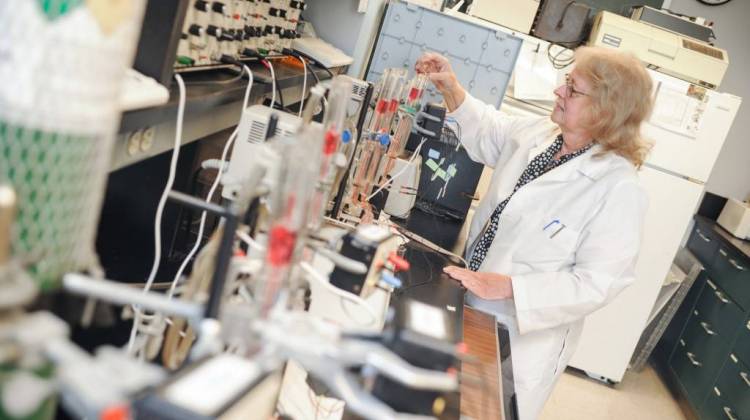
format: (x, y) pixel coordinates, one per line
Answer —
(558, 233)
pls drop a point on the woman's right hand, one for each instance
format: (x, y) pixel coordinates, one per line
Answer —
(439, 70)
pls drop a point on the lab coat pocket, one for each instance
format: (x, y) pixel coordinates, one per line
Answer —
(550, 240)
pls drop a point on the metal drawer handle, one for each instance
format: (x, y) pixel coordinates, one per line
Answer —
(694, 362)
(735, 265)
(704, 237)
(722, 252)
(748, 325)
(707, 328)
(745, 378)
(728, 412)
(721, 297)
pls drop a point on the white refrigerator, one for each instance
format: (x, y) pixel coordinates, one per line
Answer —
(688, 128)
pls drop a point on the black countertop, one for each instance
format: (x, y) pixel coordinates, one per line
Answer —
(440, 230)
(425, 280)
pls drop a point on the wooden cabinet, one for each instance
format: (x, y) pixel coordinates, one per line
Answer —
(709, 364)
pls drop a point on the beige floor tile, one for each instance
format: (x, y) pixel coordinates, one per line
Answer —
(641, 396)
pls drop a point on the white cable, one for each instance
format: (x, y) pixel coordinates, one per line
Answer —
(304, 86)
(273, 83)
(204, 215)
(312, 273)
(401, 172)
(248, 88)
(160, 207)
(175, 153)
(212, 190)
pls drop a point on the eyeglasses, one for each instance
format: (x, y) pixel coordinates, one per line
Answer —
(570, 91)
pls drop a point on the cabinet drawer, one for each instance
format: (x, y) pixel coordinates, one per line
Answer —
(716, 409)
(697, 359)
(742, 345)
(731, 272)
(719, 314)
(734, 385)
(703, 244)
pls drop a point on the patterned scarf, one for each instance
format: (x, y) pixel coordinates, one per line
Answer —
(538, 166)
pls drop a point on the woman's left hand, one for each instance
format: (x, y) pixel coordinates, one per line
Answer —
(489, 286)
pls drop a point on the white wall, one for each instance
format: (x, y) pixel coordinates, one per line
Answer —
(731, 174)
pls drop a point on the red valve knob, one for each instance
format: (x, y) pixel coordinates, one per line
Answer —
(399, 263)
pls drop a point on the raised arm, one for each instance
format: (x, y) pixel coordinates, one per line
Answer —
(484, 131)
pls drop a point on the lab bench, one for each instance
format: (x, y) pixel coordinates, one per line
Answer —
(708, 365)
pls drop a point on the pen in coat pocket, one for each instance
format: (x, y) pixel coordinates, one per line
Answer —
(562, 226)
(553, 223)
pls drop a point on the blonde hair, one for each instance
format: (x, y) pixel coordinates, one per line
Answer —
(621, 100)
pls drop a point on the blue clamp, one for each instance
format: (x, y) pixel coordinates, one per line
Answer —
(346, 136)
(391, 280)
(385, 139)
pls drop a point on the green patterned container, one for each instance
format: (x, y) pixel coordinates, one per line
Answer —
(62, 64)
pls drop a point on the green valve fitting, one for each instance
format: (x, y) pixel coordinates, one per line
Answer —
(185, 60)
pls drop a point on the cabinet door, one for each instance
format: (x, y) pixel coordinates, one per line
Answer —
(715, 408)
(719, 314)
(731, 271)
(734, 383)
(703, 244)
(698, 358)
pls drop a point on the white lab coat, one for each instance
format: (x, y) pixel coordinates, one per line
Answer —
(558, 275)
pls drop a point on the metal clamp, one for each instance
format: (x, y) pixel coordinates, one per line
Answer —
(704, 237)
(421, 116)
(728, 412)
(745, 378)
(694, 362)
(707, 328)
(721, 297)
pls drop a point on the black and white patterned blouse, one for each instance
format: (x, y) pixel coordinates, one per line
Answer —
(537, 167)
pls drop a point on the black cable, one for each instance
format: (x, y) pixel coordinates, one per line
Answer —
(556, 62)
(315, 76)
(311, 59)
(281, 97)
(301, 56)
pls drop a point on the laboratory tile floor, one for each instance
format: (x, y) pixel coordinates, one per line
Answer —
(641, 396)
